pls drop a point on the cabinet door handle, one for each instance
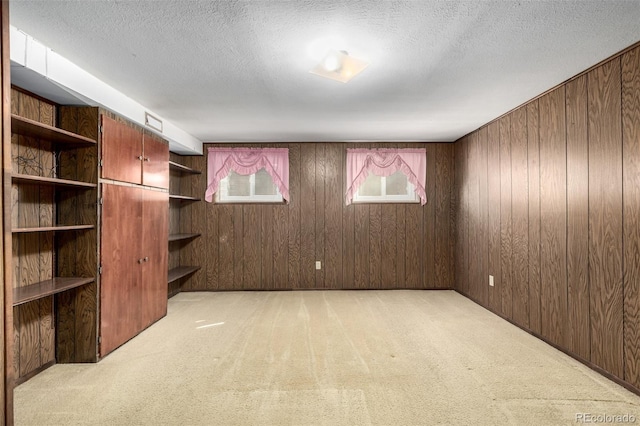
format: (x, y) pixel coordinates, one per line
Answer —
(147, 159)
(140, 157)
(140, 260)
(146, 259)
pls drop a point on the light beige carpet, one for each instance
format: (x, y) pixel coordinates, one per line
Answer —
(325, 358)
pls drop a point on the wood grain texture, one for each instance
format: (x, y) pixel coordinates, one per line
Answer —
(308, 215)
(506, 226)
(493, 181)
(483, 216)
(333, 226)
(295, 215)
(375, 245)
(320, 213)
(553, 208)
(520, 217)
(605, 217)
(252, 242)
(360, 246)
(429, 221)
(578, 218)
(630, 63)
(533, 168)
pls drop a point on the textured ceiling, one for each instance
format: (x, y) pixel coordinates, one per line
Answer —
(239, 70)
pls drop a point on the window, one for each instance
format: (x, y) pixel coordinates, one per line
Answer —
(247, 175)
(386, 175)
(254, 188)
(386, 189)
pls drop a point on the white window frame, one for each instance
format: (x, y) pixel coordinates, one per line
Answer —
(222, 195)
(409, 198)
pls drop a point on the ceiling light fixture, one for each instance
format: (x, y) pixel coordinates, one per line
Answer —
(339, 66)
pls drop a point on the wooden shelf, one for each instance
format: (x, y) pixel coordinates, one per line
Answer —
(179, 237)
(46, 288)
(181, 271)
(31, 128)
(40, 180)
(183, 197)
(53, 228)
(184, 169)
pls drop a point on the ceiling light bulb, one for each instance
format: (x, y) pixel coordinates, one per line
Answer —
(331, 63)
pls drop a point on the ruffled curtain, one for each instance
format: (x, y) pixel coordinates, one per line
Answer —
(247, 161)
(385, 162)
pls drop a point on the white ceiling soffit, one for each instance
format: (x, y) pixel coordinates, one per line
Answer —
(46, 73)
(239, 70)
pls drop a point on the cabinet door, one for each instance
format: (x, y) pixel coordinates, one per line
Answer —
(121, 279)
(155, 234)
(155, 167)
(121, 152)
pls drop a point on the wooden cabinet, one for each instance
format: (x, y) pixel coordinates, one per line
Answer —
(54, 186)
(133, 261)
(180, 234)
(128, 155)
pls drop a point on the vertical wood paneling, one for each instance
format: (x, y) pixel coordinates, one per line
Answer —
(252, 243)
(553, 208)
(605, 217)
(294, 215)
(483, 216)
(333, 249)
(265, 279)
(238, 245)
(493, 181)
(308, 218)
(199, 226)
(505, 216)
(429, 221)
(375, 245)
(520, 217)
(533, 167)
(575, 229)
(361, 244)
(224, 215)
(442, 204)
(388, 258)
(578, 218)
(320, 213)
(631, 192)
(256, 246)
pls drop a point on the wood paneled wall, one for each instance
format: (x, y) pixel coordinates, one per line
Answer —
(6, 268)
(386, 246)
(548, 201)
(33, 253)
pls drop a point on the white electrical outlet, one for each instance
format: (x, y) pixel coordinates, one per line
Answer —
(318, 264)
(491, 280)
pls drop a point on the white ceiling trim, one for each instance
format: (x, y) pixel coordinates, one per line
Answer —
(33, 56)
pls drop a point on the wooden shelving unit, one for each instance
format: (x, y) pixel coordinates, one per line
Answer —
(181, 272)
(183, 197)
(184, 169)
(181, 236)
(40, 180)
(47, 288)
(54, 220)
(53, 228)
(34, 129)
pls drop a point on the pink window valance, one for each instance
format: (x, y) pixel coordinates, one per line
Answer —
(247, 161)
(385, 162)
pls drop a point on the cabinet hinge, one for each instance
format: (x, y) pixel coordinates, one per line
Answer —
(100, 270)
(100, 128)
(99, 339)
(101, 201)
(100, 163)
